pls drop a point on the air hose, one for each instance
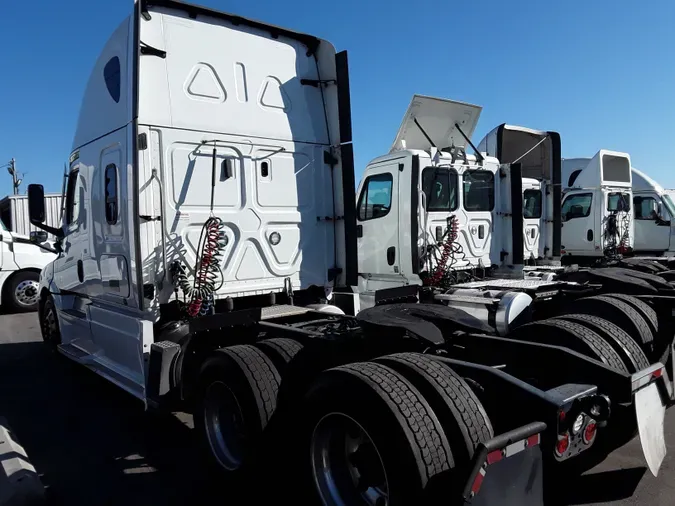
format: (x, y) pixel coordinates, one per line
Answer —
(208, 278)
(451, 254)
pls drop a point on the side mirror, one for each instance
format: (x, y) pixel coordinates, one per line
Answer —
(36, 209)
(36, 203)
(38, 236)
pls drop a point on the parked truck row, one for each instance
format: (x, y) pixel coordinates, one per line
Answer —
(386, 342)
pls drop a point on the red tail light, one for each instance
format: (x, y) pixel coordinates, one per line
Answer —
(589, 432)
(563, 444)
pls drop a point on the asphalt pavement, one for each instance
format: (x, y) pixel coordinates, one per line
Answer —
(93, 444)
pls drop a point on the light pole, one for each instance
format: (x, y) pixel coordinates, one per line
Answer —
(11, 168)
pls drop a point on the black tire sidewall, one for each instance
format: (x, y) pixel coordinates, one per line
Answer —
(225, 370)
(49, 305)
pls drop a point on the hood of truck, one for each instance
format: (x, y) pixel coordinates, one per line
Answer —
(438, 117)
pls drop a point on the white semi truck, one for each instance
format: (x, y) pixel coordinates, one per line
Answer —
(431, 216)
(21, 260)
(208, 254)
(619, 205)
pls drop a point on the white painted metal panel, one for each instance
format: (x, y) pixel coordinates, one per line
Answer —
(15, 213)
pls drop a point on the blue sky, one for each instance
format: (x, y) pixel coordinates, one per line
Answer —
(602, 73)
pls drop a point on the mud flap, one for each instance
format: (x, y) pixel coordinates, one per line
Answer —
(650, 410)
(508, 470)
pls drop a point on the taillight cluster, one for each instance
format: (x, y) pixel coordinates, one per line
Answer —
(576, 436)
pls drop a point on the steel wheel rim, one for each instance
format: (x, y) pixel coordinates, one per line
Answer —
(346, 464)
(225, 428)
(26, 293)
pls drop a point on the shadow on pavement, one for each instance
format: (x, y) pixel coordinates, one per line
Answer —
(92, 443)
(606, 486)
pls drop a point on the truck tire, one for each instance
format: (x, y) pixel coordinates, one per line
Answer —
(366, 420)
(633, 356)
(621, 314)
(49, 324)
(22, 291)
(641, 307)
(460, 412)
(280, 351)
(573, 336)
(240, 382)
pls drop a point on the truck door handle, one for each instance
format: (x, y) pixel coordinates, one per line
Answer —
(589, 235)
(391, 255)
(80, 271)
(532, 233)
(359, 230)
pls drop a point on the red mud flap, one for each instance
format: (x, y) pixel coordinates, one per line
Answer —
(652, 391)
(507, 470)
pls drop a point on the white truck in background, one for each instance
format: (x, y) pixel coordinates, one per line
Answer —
(452, 225)
(596, 210)
(654, 215)
(21, 260)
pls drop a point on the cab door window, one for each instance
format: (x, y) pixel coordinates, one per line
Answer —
(375, 198)
(645, 208)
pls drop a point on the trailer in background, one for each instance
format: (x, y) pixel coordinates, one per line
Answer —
(14, 213)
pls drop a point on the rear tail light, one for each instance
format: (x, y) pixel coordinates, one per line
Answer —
(589, 432)
(563, 444)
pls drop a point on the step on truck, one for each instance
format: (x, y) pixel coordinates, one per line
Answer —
(445, 227)
(208, 253)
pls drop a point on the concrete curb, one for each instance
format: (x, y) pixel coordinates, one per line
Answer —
(19, 482)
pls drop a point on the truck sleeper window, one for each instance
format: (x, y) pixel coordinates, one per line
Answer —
(479, 190)
(375, 199)
(577, 206)
(440, 189)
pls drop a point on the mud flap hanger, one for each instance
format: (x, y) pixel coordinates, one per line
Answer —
(654, 373)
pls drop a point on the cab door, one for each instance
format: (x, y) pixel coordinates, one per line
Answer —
(652, 223)
(377, 223)
(578, 223)
(69, 267)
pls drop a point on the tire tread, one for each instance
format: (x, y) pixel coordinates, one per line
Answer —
(413, 410)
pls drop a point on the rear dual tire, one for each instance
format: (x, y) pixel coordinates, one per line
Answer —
(376, 433)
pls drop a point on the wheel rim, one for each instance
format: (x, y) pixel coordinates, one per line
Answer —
(225, 428)
(346, 464)
(26, 293)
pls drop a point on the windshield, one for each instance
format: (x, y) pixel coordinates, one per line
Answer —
(669, 204)
(479, 190)
(440, 188)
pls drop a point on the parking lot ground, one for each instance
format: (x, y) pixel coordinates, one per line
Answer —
(93, 444)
